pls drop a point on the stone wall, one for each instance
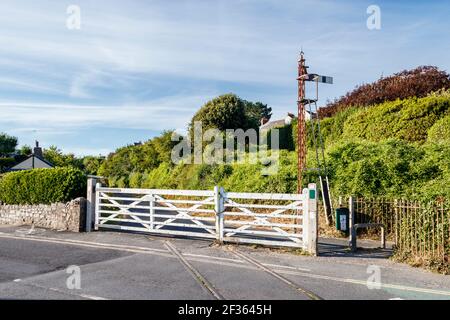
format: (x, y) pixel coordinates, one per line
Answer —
(57, 216)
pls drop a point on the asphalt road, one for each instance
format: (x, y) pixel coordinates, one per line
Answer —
(131, 266)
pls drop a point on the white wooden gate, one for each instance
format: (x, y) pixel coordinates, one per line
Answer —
(259, 218)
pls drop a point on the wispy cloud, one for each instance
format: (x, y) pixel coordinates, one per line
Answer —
(171, 112)
(138, 64)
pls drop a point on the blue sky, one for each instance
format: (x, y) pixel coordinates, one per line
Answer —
(136, 68)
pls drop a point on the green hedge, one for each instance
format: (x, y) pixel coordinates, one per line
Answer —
(42, 186)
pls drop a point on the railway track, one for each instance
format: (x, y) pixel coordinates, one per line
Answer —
(197, 275)
(243, 257)
(311, 295)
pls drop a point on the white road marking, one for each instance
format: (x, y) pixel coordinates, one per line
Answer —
(165, 253)
(71, 293)
(133, 249)
(364, 283)
(88, 296)
(86, 244)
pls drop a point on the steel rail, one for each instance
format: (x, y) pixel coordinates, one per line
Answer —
(276, 275)
(197, 276)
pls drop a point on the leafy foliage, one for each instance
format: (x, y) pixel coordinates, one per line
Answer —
(42, 186)
(418, 82)
(408, 119)
(255, 111)
(6, 163)
(56, 157)
(390, 168)
(440, 131)
(396, 148)
(224, 112)
(120, 164)
(129, 164)
(92, 164)
(228, 111)
(25, 150)
(7, 144)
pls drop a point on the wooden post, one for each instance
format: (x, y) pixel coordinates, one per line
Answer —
(351, 223)
(90, 203)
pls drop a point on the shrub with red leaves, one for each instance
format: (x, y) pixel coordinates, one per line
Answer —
(409, 83)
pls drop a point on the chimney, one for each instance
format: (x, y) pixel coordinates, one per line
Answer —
(37, 151)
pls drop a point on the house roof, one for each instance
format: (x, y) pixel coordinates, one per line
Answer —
(273, 124)
(32, 162)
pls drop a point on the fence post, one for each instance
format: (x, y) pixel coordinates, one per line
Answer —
(218, 208)
(221, 213)
(98, 185)
(351, 223)
(90, 203)
(396, 221)
(310, 218)
(152, 210)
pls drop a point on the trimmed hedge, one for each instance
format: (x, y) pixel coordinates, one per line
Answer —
(42, 186)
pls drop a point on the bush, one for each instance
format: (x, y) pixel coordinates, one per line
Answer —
(42, 186)
(408, 119)
(440, 131)
(286, 138)
(411, 119)
(391, 168)
(418, 82)
(6, 163)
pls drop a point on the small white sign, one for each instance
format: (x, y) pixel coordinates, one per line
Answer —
(343, 221)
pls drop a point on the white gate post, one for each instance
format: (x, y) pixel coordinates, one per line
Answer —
(97, 207)
(152, 210)
(310, 218)
(221, 215)
(90, 203)
(218, 208)
(351, 220)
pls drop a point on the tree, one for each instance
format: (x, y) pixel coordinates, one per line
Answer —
(228, 111)
(163, 145)
(56, 157)
(92, 164)
(8, 144)
(255, 111)
(25, 150)
(133, 158)
(224, 112)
